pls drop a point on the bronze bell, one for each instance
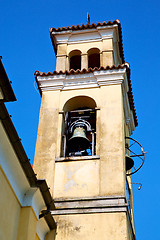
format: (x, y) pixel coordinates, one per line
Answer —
(79, 141)
(129, 162)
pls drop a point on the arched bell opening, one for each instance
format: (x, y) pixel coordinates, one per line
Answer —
(79, 137)
(93, 58)
(75, 60)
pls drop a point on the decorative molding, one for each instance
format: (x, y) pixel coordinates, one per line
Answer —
(33, 197)
(94, 79)
(122, 208)
(79, 158)
(89, 198)
(90, 205)
(87, 80)
(88, 35)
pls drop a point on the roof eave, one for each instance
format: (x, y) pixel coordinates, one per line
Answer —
(5, 85)
(24, 161)
(90, 70)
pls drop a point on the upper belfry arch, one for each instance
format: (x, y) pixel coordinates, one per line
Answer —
(93, 58)
(75, 60)
(106, 37)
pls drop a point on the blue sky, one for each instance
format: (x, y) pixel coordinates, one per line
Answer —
(25, 46)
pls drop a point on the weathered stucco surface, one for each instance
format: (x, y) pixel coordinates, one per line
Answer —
(92, 226)
(76, 179)
(109, 170)
(103, 176)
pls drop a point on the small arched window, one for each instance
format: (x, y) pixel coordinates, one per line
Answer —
(93, 58)
(75, 60)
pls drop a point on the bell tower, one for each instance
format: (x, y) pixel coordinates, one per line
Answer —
(87, 115)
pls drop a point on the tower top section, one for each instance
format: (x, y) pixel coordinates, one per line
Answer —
(89, 56)
(90, 45)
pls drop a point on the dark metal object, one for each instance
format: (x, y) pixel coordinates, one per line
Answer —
(140, 185)
(81, 110)
(79, 138)
(140, 156)
(88, 18)
(129, 162)
(79, 142)
(93, 141)
(49, 219)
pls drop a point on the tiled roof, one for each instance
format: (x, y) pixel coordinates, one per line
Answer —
(90, 70)
(92, 26)
(78, 71)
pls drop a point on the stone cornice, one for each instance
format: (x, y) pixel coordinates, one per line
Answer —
(90, 205)
(87, 35)
(93, 205)
(87, 80)
(95, 79)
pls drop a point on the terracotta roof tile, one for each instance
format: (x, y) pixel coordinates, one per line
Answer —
(91, 26)
(90, 70)
(87, 26)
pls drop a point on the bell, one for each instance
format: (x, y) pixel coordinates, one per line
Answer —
(129, 162)
(79, 141)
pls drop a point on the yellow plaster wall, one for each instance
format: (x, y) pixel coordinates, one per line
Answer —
(62, 49)
(16, 222)
(51, 235)
(110, 169)
(76, 179)
(9, 209)
(27, 224)
(92, 226)
(37, 238)
(47, 137)
(84, 47)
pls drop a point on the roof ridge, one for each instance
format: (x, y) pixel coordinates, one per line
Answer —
(85, 26)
